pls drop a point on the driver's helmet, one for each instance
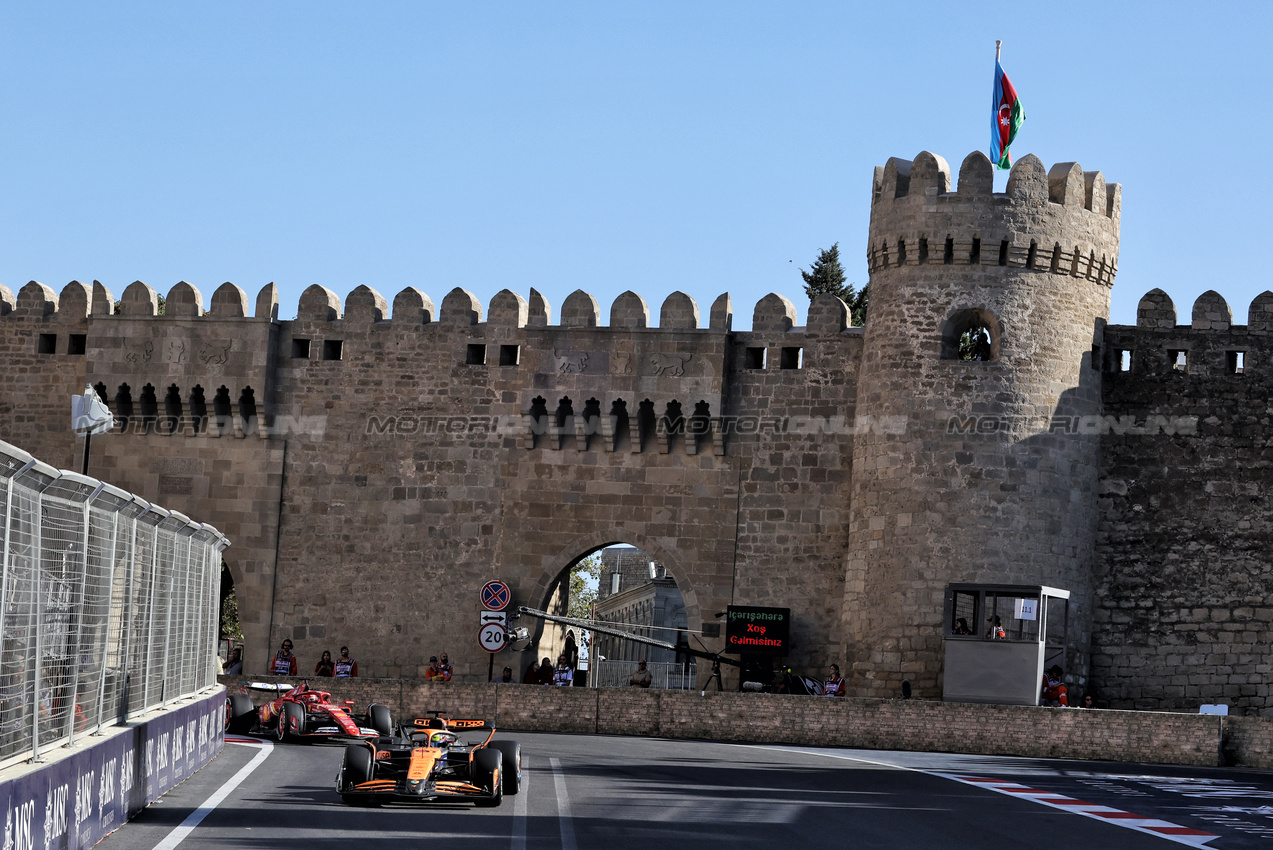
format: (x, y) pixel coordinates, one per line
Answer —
(441, 740)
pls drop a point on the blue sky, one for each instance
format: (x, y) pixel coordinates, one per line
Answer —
(702, 147)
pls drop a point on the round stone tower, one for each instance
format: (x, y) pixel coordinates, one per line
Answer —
(978, 408)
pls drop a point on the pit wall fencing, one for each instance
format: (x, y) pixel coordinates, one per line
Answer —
(85, 792)
(1004, 730)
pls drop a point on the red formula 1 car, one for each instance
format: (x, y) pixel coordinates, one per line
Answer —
(302, 714)
(432, 762)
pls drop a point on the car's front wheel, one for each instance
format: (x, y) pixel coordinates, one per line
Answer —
(486, 775)
(511, 769)
(291, 721)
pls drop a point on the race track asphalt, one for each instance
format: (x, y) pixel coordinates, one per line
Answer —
(619, 793)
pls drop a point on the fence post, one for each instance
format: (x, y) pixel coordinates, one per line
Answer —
(37, 614)
(106, 628)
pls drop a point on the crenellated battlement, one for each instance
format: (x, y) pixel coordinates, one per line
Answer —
(364, 306)
(1062, 220)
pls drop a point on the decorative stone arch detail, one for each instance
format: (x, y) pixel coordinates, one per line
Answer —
(538, 311)
(679, 312)
(365, 306)
(75, 300)
(962, 320)
(580, 547)
(229, 302)
(317, 304)
(1211, 312)
(774, 312)
(412, 308)
(827, 314)
(267, 302)
(721, 317)
(1156, 310)
(184, 301)
(103, 300)
(139, 300)
(580, 310)
(508, 310)
(7, 300)
(629, 310)
(1260, 313)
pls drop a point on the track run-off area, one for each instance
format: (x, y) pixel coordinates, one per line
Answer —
(617, 793)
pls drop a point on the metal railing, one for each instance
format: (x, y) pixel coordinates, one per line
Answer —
(664, 675)
(108, 605)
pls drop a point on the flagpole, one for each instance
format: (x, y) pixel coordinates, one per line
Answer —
(998, 47)
(87, 438)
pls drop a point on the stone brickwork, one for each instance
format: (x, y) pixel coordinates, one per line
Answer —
(1184, 575)
(1146, 737)
(973, 484)
(375, 466)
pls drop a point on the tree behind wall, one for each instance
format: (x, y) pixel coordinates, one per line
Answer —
(826, 277)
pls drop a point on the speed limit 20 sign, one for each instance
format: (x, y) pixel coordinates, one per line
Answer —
(492, 636)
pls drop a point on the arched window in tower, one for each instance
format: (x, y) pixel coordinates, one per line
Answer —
(1056, 258)
(1078, 258)
(923, 250)
(1004, 247)
(901, 252)
(948, 255)
(1032, 256)
(971, 335)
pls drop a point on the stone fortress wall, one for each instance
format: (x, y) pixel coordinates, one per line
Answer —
(374, 468)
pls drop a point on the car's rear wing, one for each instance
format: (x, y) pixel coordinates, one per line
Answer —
(441, 722)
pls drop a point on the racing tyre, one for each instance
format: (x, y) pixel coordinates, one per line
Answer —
(512, 766)
(240, 714)
(487, 764)
(380, 718)
(358, 767)
(291, 721)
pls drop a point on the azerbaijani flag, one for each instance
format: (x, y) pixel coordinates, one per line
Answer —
(1008, 116)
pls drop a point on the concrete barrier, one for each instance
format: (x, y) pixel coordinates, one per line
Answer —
(1132, 736)
(88, 790)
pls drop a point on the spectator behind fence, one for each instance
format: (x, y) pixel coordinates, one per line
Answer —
(834, 685)
(641, 678)
(1053, 691)
(234, 663)
(531, 676)
(546, 672)
(346, 667)
(445, 670)
(325, 667)
(284, 661)
(507, 677)
(562, 676)
(1088, 701)
(431, 673)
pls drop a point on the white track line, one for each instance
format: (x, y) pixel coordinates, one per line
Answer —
(519, 813)
(179, 834)
(1106, 814)
(563, 807)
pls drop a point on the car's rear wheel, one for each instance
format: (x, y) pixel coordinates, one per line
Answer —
(511, 769)
(380, 718)
(240, 714)
(486, 772)
(359, 767)
(291, 721)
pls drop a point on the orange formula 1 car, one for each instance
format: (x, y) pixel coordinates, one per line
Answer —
(303, 714)
(431, 761)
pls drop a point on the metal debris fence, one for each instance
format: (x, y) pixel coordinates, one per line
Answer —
(108, 605)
